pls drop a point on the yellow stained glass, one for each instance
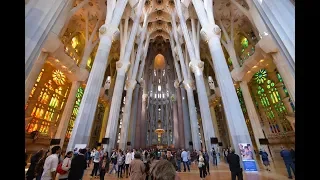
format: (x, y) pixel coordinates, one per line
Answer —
(74, 42)
(58, 77)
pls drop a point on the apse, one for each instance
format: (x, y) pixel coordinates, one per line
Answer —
(159, 62)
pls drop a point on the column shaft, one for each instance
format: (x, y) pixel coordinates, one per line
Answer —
(134, 114)
(237, 127)
(180, 118)
(66, 115)
(104, 121)
(38, 22)
(143, 119)
(186, 119)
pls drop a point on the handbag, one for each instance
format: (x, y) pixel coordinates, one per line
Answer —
(60, 170)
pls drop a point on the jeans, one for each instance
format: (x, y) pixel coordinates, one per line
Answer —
(292, 166)
(127, 169)
(179, 165)
(114, 167)
(207, 167)
(214, 161)
(95, 169)
(120, 170)
(184, 166)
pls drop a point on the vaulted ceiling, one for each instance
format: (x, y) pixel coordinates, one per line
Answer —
(159, 25)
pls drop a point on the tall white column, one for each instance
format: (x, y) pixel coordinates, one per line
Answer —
(66, 115)
(186, 118)
(33, 75)
(237, 127)
(38, 22)
(188, 86)
(134, 115)
(82, 127)
(196, 66)
(253, 116)
(279, 17)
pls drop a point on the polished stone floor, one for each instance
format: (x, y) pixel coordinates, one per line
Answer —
(217, 173)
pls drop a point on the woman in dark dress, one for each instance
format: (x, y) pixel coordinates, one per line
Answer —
(104, 165)
(78, 165)
(34, 160)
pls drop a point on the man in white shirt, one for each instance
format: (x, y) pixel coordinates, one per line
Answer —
(184, 156)
(50, 164)
(128, 161)
(132, 154)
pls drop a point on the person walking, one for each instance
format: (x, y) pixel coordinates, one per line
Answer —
(265, 159)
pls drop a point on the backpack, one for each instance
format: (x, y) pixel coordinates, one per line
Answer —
(264, 155)
(60, 170)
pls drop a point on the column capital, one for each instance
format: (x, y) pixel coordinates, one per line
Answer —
(196, 66)
(188, 84)
(122, 66)
(130, 84)
(144, 97)
(176, 83)
(210, 32)
(110, 31)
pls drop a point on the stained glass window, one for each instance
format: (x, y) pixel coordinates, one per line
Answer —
(270, 101)
(58, 77)
(46, 100)
(241, 100)
(75, 110)
(244, 43)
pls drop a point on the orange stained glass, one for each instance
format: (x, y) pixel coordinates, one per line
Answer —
(62, 104)
(40, 75)
(32, 91)
(45, 98)
(57, 117)
(65, 95)
(41, 93)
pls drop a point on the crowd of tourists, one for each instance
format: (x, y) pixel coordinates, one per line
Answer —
(136, 164)
(133, 164)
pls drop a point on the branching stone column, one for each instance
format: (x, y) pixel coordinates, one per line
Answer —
(196, 66)
(235, 119)
(187, 85)
(122, 66)
(134, 115)
(83, 124)
(65, 118)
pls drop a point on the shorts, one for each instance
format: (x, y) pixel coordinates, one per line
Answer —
(266, 163)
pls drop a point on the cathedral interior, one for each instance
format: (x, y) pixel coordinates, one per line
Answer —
(160, 74)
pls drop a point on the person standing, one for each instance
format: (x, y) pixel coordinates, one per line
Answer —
(34, 160)
(104, 165)
(264, 158)
(121, 160)
(184, 156)
(66, 165)
(214, 157)
(137, 168)
(287, 158)
(96, 161)
(78, 165)
(206, 162)
(201, 166)
(50, 164)
(114, 161)
(178, 157)
(127, 162)
(234, 165)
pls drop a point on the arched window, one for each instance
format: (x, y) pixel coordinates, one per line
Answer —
(271, 102)
(46, 100)
(75, 110)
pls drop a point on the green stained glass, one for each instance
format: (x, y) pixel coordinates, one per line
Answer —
(244, 43)
(261, 76)
(279, 77)
(229, 61)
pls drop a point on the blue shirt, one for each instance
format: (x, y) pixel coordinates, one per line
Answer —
(184, 156)
(286, 155)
